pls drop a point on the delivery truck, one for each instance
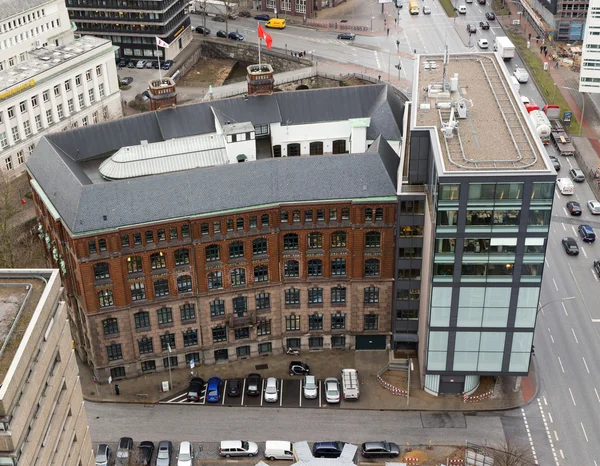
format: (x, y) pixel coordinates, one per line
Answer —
(504, 47)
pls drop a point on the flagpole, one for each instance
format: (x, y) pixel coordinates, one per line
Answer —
(159, 68)
(259, 50)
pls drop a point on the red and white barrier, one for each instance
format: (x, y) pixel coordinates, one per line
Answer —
(477, 398)
(388, 386)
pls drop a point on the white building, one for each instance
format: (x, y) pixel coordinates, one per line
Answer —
(589, 77)
(49, 79)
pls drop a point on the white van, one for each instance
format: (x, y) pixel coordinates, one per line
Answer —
(278, 450)
(565, 186)
(462, 10)
(350, 384)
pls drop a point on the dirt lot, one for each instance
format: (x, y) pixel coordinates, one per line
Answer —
(207, 72)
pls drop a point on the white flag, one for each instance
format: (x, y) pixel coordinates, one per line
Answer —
(161, 43)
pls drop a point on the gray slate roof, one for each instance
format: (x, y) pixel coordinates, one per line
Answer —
(9, 8)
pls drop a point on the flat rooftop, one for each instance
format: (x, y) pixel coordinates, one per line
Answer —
(494, 135)
(16, 310)
(46, 58)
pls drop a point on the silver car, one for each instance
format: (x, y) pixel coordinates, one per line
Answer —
(103, 455)
(272, 390)
(594, 207)
(332, 390)
(165, 450)
(310, 387)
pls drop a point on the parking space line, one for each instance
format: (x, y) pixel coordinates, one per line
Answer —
(243, 391)
(281, 394)
(224, 392)
(319, 388)
(300, 395)
(262, 391)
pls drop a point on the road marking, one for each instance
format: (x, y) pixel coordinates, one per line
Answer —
(545, 401)
(564, 227)
(583, 428)
(566, 212)
(556, 436)
(594, 274)
(565, 309)
(546, 260)
(377, 59)
(550, 417)
(547, 432)
(574, 230)
(583, 251)
(586, 366)
(555, 285)
(551, 337)
(561, 366)
(572, 398)
(596, 320)
(575, 336)
(300, 403)
(223, 394)
(529, 435)
(569, 162)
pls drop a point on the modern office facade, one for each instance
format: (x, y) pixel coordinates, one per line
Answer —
(49, 81)
(42, 413)
(557, 19)
(589, 74)
(489, 191)
(133, 26)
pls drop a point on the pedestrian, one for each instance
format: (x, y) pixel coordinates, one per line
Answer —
(545, 53)
(379, 77)
(541, 48)
(556, 65)
(395, 21)
(530, 36)
(388, 31)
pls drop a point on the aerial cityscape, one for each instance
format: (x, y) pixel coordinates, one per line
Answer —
(328, 233)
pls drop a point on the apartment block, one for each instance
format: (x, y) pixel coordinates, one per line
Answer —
(589, 75)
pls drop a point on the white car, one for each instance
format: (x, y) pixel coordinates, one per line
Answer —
(483, 43)
(594, 207)
(332, 390)
(521, 74)
(310, 387)
(272, 390)
(525, 100)
(462, 9)
(141, 64)
(186, 454)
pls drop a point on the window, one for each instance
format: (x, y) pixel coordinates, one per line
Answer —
(315, 268)
(239, 224)
(372, 268)
(117, 373)
(263, 301)
(332, 214)
(339, 146)
(101, 90)
(15, 134)
(229, 224)
(373, 239)
(315, 296)
(338, 321)
(148, 366)
(290, 241)
(296, 216)
(379, 214)
(182, 257)
(308, 216)
(264, 220)
(338, 341)
(145, 346)
(165, 315)
(45, 96)
(167, 341)
(27, 128)
(345, 213)
(293, 150)
(338, 239)
(320, 215)
(217, 227)
(265, 348)
(190, 337)
(3, 140)
(185, 231)
(240, 306)
(204, 229)
(215, 280)
(158, 261)
(338, 295)
(192, 357)
(338, 266)
(23, 107)
(161, 287)
(149, 235)
(253, 222)
(315, 342)
(114, 352)
(101, 271)
(213, 253)
(291, 269)
(259, 246)
(293, 342)
(242, 333)
(38, 122)
(105, 298)
(184, 284)
(368, 214)
(92, 247)
(34, 101)
(81, 101)
(315, 322)
(219, 334)
(371, 321)
(134, 264)
(162, 236)
(188, 311)
(283, 216)
(57, 90)
(11, 112)
(21, 156)
(142, 319)
(236, 249)
(59, 111)
(111, 326)
(316, 148)
(242, 351)
(238, 277)
(137, 238)
(99, 70)
(138, 291)
(292, 296)
(88, 75)
(261, 273)
(371, 295)
(217, 308)
(102, 245)
(292, 323)
(315, 240)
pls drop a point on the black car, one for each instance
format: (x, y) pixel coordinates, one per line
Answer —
(234, 387)
(328, 449)
(236, 36)
(471, 28)
(379, 450)
(597, 267)
(220, 18)
(570, 246)
(145, 452)
(195, 389)
(122, 63)
(253, 385)
(124, 451)
(555, 163)
(346, 36)
(574, 208)
(490, 16)
(299, 368)
(262, 17)
(222, 33)
(167, 65)
(126, 81)
(202, 30)
(244, 14)
(156, 65)
(587, 233)
(484, 25)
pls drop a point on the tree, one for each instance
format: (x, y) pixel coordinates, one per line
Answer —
(511, 454)
(8, 198)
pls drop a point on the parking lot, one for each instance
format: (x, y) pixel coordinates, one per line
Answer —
(290, 396)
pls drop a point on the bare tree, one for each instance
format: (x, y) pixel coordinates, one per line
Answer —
(511, 454)
(7, 210)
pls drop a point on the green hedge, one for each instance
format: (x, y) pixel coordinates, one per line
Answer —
(449, 8)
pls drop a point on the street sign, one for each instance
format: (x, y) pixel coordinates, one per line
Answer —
(192, 363)
(516, 22)
(567, 116)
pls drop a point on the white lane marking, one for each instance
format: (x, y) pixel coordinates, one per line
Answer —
(594, 274)
(586, 366)
(529, 435)
(555, 285)
(243, 392)
(574, 230)
(564, 227)
(585, 435)
(572, 397)
(566, 211)
(575, 336)
(550, 417)
(551, 337)
(545, 401)
(565, 309)
(223, 394)
(596, 320)
(377, 60)
(561, 366)
(597, 395)
(556, 436)
(583, 251)
(546, 260)
(569, 162)
(547, 432)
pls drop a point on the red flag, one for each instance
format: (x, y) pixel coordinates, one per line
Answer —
(262, 34)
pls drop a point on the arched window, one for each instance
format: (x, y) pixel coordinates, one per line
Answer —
(338, 239)
(316, 148)
(182, 257)
(184, 284)
(293, 150)
(315, 240)
(134, 264)
(373, 239)
(339, 146)
(291, 269)
(157, 261)
(238, 277)
(296, 216)
(372, 268)
(290, 241)
(101, 271)
(315, 268)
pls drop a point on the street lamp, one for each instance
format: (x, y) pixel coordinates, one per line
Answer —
(582, 106)
(568, 298)
(372, 18)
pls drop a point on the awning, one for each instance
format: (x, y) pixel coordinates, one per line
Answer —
(412, 337)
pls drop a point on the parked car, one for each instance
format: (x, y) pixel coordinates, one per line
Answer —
(165, 451)
(299, 368)
(426, 10)
(245, 14)
(555, 163)
(482, 43)
(231, 448)
(379, 450)
(220, 18)
(484, 25)
(222, 34)
(234, 387)
(471, 28)
(328, 449)
(570, 246)
(594, 207)
(587, 233)
(213, 390)
(167, 65)
(346, 36)
(195, 389)
(279, 450)
(202, 30)
(124, 451)
(186, 454)
(262, 17)
(236, 36)
(145, 452)
(253, 384)
(574, 208)
(122, 62)
(103, 455)
(126, 81)
(150, 65)
(332, 390)
(131, 64)
(577, 175)
(272, 390)
(310, 389)
(157, 65)
(140, 64)
(490, 16)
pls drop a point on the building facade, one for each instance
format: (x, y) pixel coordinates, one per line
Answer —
(557, 19)
(589, 74)
(133, 26)
(49, 81)
(42, 413)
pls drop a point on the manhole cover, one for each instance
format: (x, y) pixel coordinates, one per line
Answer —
(260, 367)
